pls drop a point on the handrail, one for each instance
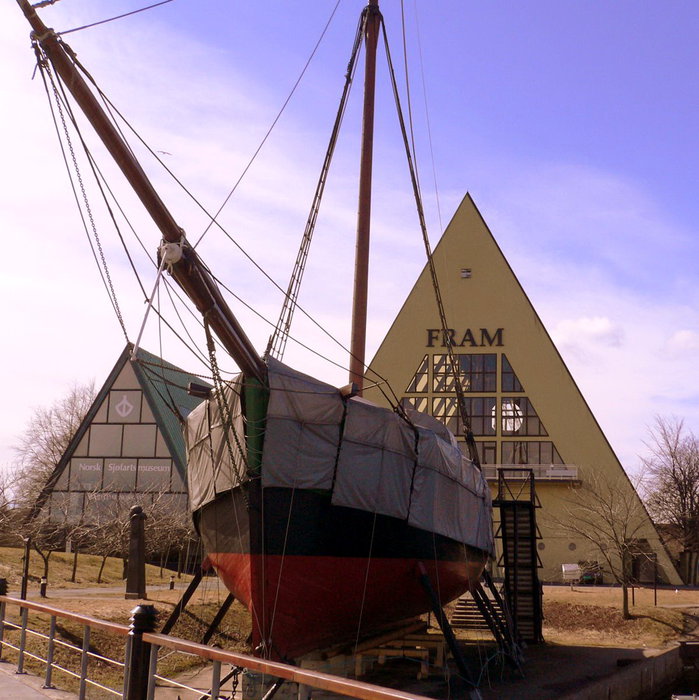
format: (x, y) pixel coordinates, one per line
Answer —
(542, 472)
(105, 625)
(149, 643)
(305, 676)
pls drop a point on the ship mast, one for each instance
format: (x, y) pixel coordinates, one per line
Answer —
(361, 265)
(190, 272)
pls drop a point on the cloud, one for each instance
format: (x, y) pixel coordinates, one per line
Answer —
(585, 335)
(683, 342)
(609, 270)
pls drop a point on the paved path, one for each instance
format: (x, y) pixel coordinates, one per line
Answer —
(97, 591)
(26, 686)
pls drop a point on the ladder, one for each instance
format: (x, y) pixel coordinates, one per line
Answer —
(520, 559)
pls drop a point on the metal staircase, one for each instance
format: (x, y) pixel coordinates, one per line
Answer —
(517, 503)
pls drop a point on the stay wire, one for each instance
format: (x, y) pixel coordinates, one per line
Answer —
(407, 91)
(278, 340)
(105, 184)
(427, 120)
(470, 440)
(43, 68)
(102, 184)
(112, 19)
(255, 264)
(271, 127)
(45, 65)
(99, 180)
(394, 402)
(220, 227)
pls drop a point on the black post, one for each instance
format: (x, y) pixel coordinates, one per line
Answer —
(143, 619)
(25, 568)
(447, 630)
(182, 604)
(136, 568)
(42, 587)
(655, 581)
(3, 591)
(217, 619)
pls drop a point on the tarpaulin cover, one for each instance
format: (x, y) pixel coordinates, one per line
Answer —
(370, 457)
(304, 417)
(210, 469)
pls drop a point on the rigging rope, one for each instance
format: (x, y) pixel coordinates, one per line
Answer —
(271, 127)
(427, 122)
(111, 19)
(109, 106)
(278, 340)
(45, 68)
(456, 374)
(231, 239)
(62, 103)
(225, 415)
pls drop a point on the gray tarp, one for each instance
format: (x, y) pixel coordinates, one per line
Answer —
(371, 458)
(209, 467)
(303, 430)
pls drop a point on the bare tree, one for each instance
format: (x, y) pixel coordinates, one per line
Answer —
(167, 529)
(672, 484)
(609, 516)
(47, 435)
(39, 450)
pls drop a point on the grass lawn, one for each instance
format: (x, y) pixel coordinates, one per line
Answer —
(61, 569)
(591, 615)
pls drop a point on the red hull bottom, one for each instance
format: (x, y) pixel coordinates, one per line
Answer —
(312, 602)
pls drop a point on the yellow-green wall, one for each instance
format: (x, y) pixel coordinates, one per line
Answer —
(491, 298)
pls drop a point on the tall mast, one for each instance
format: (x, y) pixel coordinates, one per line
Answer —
(361, 265)
(191, 274)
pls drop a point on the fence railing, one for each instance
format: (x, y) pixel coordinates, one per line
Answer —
(542, 472)
(138, 670)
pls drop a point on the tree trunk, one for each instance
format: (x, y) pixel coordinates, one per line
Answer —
(75, 563)
(625, 597)
(45, 558)
(99, 575)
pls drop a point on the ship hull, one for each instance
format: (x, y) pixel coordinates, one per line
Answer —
(314, 575)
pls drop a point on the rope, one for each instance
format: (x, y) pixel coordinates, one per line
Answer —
(249, 257)
(224, 412)
(271, 127)
(407, 91)
(111, 19)
(427, 120)
(470, 440)
(281, 565)
(149, 306)
(278, 340)
(45, 68)
(366, 584)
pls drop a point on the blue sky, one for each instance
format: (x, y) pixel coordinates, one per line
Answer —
(573, 126)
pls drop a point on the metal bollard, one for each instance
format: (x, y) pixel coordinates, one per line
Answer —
(3, 591)
(42, 587)
(84, 658)
(143, 619)
(49, 654)
(172, 583)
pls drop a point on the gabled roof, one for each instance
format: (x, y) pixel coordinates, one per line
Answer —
(165, 387)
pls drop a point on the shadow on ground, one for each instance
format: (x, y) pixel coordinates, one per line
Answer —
(550, 671)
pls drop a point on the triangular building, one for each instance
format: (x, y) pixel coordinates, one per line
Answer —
(524, 405)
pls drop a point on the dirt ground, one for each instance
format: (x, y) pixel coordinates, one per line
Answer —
(585, 635)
